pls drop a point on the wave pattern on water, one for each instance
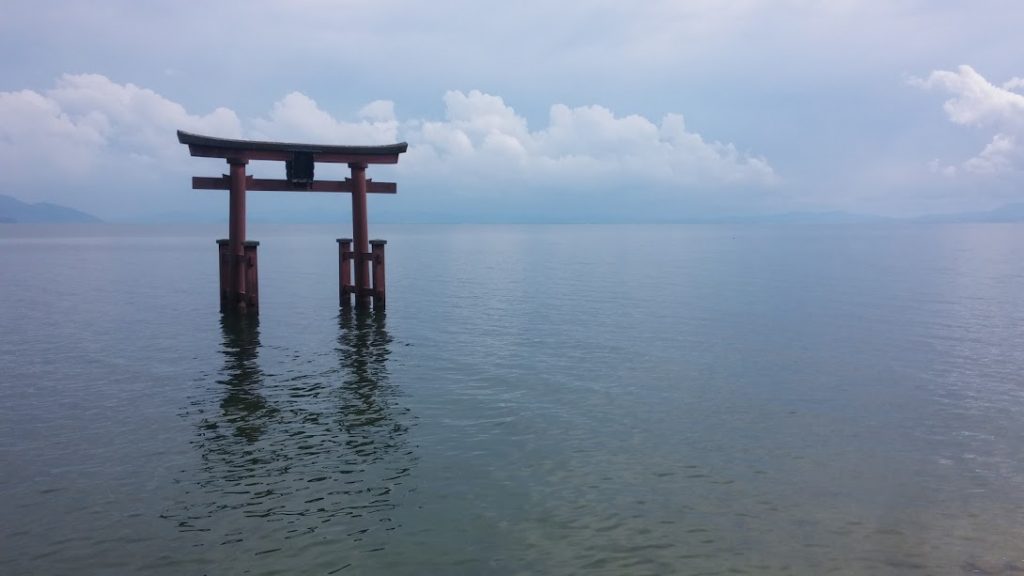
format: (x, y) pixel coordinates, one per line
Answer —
(317, 450)
(540, 399)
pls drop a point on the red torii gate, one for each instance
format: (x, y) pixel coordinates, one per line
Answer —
(239, 282)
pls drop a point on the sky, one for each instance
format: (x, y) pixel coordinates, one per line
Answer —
(525, 111)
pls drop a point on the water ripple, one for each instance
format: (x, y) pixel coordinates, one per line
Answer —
(313, 455)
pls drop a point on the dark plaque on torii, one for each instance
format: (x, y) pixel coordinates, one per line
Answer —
(239, 284)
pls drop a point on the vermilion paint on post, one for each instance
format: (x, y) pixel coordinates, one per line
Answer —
(344, 271)
(379, 290)
(237, 263)
(360, 233)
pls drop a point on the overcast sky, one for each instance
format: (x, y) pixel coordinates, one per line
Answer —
(526, 111)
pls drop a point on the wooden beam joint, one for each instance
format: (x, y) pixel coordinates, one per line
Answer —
(280, 185)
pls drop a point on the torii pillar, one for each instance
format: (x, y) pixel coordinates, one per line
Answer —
(360, 232)
(239, 282)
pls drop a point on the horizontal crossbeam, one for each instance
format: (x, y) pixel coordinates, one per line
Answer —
(346, 290)
(368, 256)
(277, 185)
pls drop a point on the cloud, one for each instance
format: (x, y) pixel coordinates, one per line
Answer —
(584, 146)
(297, 117)
(35, 131)
(88, 127)
(1014, 84)
(978, 103)
(74, 128)
(997, 157)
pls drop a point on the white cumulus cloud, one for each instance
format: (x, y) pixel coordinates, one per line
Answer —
(978, 103)
(583, 146)
(297, 117)
(997, 157)
(71, 129)
(88, 127)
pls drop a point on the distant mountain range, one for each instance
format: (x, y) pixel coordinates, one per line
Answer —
(834, 217)
(1004, 213)
(13, 210)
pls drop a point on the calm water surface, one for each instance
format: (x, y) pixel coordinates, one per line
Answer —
(538, 399)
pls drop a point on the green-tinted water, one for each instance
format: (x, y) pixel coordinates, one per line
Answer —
(537, 399)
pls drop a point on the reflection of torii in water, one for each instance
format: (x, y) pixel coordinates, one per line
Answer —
(243, 405)
(304, 450)
(367, 413)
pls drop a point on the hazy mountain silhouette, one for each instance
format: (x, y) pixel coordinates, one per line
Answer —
(1005, 213)
(13, 210)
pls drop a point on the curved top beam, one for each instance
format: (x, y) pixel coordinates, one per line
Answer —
(210, 147)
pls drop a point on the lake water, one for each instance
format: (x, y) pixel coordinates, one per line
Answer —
(537, 400)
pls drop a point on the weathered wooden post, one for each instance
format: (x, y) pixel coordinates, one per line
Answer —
(236, 233)
(229, 300)
(345, 272)
(360, 235)
(379, 289)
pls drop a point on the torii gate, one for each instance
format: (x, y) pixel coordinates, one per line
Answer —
(239, 282)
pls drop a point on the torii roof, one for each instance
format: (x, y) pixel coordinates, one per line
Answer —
(210, 147)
